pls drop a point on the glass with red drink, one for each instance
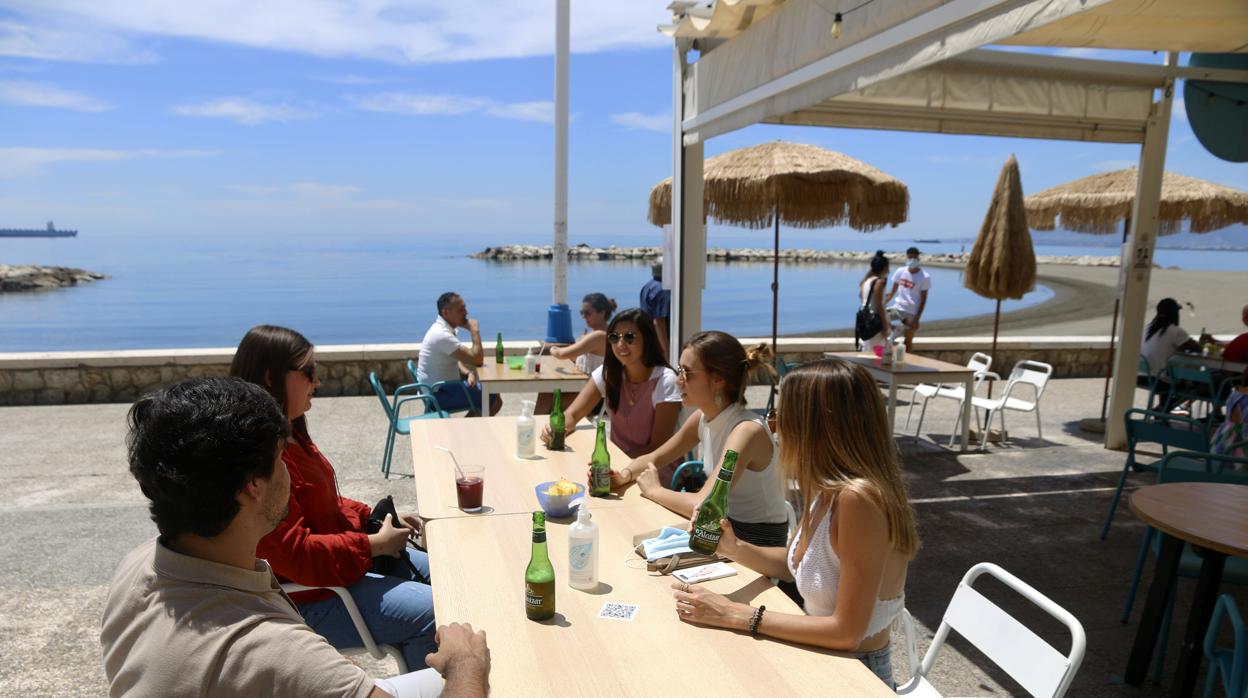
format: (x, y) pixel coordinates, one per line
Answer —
(469, 488)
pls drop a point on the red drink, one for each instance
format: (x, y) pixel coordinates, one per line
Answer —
(468, 491)
(537, 365)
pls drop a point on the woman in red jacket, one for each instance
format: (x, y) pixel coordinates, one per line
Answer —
(322, 542)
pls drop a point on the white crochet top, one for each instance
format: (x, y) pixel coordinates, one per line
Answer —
(818, 577)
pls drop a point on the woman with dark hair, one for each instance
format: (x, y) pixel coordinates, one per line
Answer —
(640, 390)
(714, 370)
(871, 295)
(322, 540)
(1163, 338)
(854, 542)
(589, 350)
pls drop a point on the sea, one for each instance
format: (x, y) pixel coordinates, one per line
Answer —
(361, 288)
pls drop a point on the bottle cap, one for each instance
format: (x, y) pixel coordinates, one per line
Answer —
(582, 514)
(527, 407)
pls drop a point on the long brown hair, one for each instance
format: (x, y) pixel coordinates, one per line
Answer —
(722, 355)
(264, 356)
(834, 433)
(651, 352)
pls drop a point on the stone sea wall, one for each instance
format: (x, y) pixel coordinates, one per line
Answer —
(585, 253)
(29, 277)
(57, 378)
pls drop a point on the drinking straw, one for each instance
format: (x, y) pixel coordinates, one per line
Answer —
(454, 461)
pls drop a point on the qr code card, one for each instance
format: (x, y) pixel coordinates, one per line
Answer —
(618, 611)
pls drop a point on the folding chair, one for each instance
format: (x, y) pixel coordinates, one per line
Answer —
(980, 363)
(431, 389)
(1146, 426)
(1033, 373)
(399, 424)
(371, 647)
(1037, 666)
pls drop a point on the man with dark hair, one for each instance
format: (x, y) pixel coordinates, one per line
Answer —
(657, 302)
(444, 358)
(192, 612)
(909, 295)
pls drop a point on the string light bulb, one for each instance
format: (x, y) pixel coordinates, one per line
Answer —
(836, 26)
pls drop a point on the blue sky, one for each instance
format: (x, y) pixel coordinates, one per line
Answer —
(417, 117)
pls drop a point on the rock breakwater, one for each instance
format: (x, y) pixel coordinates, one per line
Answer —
(29, 277)
(586, 253)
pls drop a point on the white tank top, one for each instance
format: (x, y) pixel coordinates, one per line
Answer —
(818, 578)
(756, 496)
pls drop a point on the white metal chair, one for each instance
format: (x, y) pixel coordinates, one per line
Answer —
(1037, 666)
(370, 647)
(980, 363)
(1033, 373)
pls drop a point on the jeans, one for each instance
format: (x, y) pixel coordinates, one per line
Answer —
(397, 610)
(880, 662)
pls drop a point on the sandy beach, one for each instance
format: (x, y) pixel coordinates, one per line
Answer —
(1083, 304)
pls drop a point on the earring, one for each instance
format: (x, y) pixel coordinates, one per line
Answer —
(719, 401)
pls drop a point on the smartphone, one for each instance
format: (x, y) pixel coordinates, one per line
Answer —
(704, 573)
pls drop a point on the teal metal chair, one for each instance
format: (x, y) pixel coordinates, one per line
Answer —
(782, 369)
(1229, 664)
(393, 406)
(1188, 466)
(1146, 426)
(431, 389)
(693, 467)
(1150, 381)
(1192, 380)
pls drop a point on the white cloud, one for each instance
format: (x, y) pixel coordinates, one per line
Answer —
(1079, 52)
(452, 105)
(245, 111)
(320, 190)
(21, 162)
(353, 79)
(25, 93)
(253, 189)
(401, 31)
(661, 123)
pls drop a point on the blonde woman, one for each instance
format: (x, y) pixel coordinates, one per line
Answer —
(854, 543)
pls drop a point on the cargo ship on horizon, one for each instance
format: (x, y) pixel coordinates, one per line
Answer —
(49, 232)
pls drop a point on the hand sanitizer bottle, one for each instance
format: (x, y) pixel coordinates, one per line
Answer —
(530, 362)
(899, 351)
(583, 551)
(526, 431)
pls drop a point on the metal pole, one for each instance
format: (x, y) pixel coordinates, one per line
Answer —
(559, 317)
(775, 297)
(1113, 334)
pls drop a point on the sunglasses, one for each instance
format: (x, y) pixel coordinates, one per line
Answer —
(308, 371)
(615, 337)
(684, 373)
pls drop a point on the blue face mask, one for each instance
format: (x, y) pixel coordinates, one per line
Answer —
(670, 541)
(913, 263)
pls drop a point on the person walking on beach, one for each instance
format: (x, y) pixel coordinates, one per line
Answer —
(871, 313)
(657, 302)
(444, 358)
(909, 295)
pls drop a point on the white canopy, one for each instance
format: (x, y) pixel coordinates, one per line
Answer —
(920, 65)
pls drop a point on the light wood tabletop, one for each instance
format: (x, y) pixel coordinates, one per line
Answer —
(552, 369)
(1211, 515)
(479, 563)
(509, 481)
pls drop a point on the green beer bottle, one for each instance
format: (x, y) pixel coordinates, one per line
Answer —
(600, 464)
(557, 429)
(539, 576)
(499, 358)
(704, 538)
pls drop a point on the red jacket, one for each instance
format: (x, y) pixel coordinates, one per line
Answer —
(321, 542)
(1237, 350)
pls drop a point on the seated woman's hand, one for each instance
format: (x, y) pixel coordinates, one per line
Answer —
(729, 544)
(696, 604)
(388, 540)
(648, 480)
(412, 523)
(545, 435)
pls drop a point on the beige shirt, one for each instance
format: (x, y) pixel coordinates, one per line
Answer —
(176, 625)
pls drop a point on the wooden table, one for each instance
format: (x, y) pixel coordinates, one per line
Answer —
(509, 481)
(478, 565)
(1217, 363)
(1213, 517)
(556, 373)
(917, 369)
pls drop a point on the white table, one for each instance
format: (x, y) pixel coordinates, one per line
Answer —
(917, 369)
(556, 373)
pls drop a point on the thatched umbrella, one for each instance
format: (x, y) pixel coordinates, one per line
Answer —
(802, 186)
(1099, 203)
(1002, 262)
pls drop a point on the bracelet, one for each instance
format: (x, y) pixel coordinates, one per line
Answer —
(758, 618)
(628, 470)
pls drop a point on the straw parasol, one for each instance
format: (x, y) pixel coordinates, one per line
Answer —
(1002, 262)
(1099, 203)
(802, 186)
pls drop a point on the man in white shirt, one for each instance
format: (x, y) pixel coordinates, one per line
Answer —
(444, 358)
(193, 612)
(909, 295)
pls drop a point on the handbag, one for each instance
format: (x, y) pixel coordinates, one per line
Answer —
(868, 323)
(386, 564)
